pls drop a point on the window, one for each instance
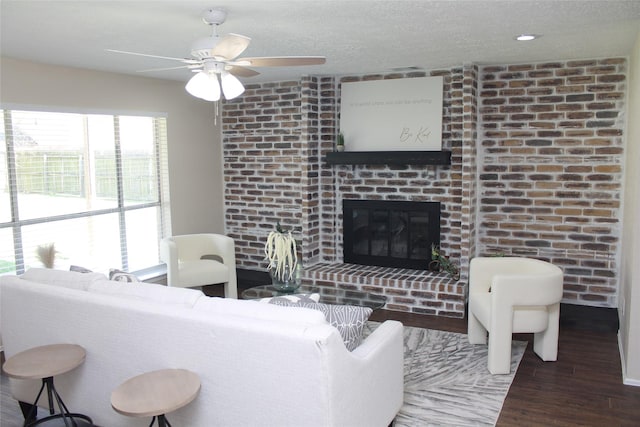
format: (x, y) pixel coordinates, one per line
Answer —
(95, 186)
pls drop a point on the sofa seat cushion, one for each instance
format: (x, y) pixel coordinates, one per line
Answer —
(180, 297)
(530, 319)
(481, 305)
(203, 272)
(347, 319)
(63, 278)
(525, 318)
(253, 309)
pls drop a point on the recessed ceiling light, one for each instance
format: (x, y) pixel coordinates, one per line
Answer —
(527, 37)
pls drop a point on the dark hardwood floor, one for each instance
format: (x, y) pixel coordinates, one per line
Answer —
(583, 388)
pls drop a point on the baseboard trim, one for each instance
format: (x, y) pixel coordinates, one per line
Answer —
(625, 380)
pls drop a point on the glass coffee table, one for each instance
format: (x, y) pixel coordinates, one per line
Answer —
(327, 295)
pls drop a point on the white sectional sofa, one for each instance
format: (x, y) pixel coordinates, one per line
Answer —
(259, 364)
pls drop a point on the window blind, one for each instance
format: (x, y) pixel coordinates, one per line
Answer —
(94, 186)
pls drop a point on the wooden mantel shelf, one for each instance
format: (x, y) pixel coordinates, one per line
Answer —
(389, 158)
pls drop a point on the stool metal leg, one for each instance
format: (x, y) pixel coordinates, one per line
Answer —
(64, 411)
(162, 421)
(52, 394)
(26, 409)
(49, 382)
(34, 408)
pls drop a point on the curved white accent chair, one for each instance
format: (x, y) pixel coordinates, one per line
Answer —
(510, 295)
(200, 259)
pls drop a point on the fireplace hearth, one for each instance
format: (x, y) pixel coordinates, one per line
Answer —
(390, 233)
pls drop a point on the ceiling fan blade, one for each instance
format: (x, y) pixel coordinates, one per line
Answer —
(185, 60)
(166, 69)
(230, 46)
(239, 71)
(280, 61)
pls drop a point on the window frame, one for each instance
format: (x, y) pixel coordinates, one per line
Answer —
(162, 203)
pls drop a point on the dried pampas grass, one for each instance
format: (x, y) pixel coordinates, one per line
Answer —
(47, 254)
(282, 254)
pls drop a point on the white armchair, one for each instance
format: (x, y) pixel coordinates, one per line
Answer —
(514, 295)
(200, 259)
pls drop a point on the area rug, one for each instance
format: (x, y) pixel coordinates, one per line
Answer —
(446, 381)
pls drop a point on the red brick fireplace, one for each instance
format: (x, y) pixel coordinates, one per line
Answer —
(536, 158)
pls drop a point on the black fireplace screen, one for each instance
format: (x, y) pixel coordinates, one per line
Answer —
(390, 233)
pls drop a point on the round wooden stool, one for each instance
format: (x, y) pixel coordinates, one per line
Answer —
(155, 394)
(44, 363)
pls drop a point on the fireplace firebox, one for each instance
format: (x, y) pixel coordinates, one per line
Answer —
(390, 233)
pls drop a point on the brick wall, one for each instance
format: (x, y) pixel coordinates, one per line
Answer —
(469, 201)
(551, 175)
(536, 171)
(265, 164)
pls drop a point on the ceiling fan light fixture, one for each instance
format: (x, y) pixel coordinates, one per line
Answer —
(231, 86)
(204, 85)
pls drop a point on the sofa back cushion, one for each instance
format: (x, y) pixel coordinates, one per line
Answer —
(161, 294)
(63, 278)
(256, 310)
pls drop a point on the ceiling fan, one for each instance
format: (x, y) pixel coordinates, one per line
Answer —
(215, 61)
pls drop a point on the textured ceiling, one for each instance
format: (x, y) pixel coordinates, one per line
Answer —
(355, 36)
